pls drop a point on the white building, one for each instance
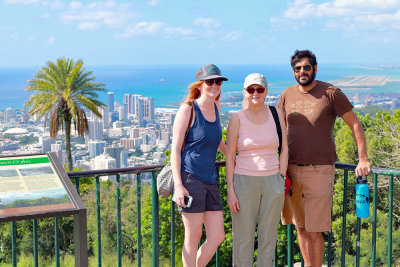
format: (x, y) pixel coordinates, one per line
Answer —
(11, 115)
(103, 161)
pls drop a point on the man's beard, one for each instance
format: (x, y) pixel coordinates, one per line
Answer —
(307, 82)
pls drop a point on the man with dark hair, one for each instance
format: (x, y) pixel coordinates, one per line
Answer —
(310, 109)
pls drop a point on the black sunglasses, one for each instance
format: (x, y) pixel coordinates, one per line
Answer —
(305, 67)
(252, 90)
(210, 82)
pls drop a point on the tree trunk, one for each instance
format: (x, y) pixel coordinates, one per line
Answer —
(68, 144)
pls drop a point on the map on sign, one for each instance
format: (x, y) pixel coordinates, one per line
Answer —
(30, 184)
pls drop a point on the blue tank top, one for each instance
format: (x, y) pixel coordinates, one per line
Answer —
(203, 139)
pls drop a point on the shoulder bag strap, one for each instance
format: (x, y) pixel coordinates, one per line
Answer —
(188, 128)
(278, 126)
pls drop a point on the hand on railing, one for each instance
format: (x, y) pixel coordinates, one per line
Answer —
(363, 168)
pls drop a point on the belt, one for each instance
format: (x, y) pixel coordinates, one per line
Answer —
(304, 164)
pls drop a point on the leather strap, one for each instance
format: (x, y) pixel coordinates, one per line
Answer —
(278, 126)
(188, 128)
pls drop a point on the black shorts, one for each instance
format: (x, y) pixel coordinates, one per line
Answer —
(206, 197)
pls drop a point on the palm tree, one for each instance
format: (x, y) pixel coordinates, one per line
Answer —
(62, 89)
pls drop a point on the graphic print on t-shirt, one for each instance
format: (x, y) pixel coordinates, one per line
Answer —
(303, 107)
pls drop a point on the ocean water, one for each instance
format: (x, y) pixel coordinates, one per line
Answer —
(168, 84)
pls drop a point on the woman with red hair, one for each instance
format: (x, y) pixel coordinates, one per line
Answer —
(194, 169)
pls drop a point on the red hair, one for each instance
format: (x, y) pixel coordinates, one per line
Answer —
(194, 92)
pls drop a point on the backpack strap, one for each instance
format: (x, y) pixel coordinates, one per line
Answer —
(278, 126)
(188, 127)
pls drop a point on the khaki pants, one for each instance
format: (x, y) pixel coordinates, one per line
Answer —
(262, 198)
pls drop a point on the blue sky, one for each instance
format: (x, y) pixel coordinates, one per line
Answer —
(198, 32)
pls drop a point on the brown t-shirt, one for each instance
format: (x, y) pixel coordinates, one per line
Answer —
(310, 117)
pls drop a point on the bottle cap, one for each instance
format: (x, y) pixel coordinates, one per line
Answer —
(362, 180)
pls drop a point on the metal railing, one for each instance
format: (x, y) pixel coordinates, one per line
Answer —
(155, 217)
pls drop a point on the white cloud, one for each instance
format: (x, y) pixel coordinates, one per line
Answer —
(21, 2)
(154, 2)
(18, 37)
(232, 36)
(51, 40)
(346, 15)
(301, 9)
(208, 23)
(368, 4)
(88, 26)
(210, 27)
(75, 5)
(110, 14)
(155, 29)
(121, 18)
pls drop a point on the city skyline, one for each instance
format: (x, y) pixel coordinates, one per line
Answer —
(151, 32)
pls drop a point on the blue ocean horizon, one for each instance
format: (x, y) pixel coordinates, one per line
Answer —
(168, 84)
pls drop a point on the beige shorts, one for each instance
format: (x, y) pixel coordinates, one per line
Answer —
(310, 205)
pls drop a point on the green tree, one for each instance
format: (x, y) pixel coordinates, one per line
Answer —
(28, 139)
(61, 90)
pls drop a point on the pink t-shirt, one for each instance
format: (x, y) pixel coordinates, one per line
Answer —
(257, 146)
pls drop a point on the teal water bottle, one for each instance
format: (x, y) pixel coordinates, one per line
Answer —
(362, 197)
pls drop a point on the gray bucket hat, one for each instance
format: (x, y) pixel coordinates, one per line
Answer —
(208, 72)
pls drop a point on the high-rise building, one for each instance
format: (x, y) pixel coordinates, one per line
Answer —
(148, 108)
(115, 152)
(105, 117)
(95, 130)
(110, 101)
(165, 135)
(123, 113)
(124, 159)
(134, 132)
(46, 143)
(58, 149)
(96, 148)
(11, 115)
(127, 143)
(129, 101)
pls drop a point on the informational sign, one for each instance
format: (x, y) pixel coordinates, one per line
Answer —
(32, 185)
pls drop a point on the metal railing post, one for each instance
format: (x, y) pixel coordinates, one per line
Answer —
(390, 222)
(172, 233)
(98, 219)
(139, 221)
(290, 245)
(77, 185)
(119, 221)
(345, 181)
(155, 221)
(14, 243)
(374, 219)
(358, 242)
(329, 260)
(56, 241)
(35, 244)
